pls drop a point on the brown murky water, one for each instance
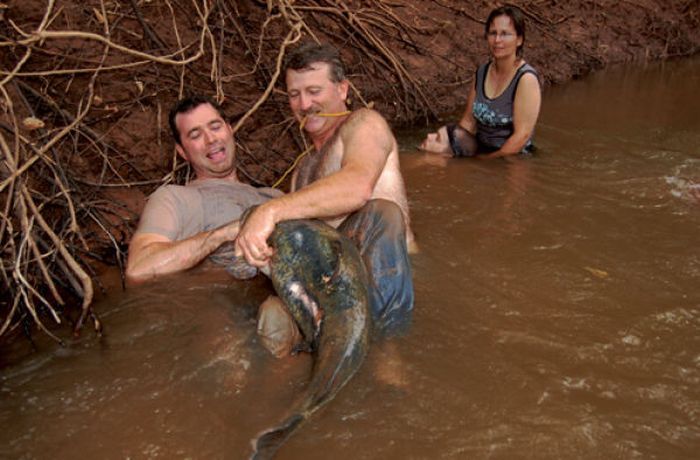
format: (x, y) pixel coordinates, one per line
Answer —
(557, 316)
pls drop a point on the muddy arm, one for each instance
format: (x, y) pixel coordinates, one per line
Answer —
(152, 255)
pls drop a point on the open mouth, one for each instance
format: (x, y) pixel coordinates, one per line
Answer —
(309, 118)
(217, 155)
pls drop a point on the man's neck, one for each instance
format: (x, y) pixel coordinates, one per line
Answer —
(321, 139)
(232, 177)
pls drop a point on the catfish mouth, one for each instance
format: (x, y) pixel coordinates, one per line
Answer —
(299, 292)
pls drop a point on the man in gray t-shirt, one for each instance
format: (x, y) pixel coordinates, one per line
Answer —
(182, 225)
(180, 212)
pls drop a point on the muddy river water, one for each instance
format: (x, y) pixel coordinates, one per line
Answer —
(557, 316)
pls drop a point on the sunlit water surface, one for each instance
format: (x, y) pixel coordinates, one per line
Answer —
(557, 315)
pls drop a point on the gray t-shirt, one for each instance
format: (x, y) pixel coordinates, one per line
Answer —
(179, 212)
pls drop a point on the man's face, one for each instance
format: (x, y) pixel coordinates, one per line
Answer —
(311, 91)
(207, 142)
(438, 142)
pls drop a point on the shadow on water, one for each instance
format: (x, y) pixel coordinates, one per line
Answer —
(557, 315)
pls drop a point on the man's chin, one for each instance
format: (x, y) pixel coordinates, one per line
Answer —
(312, 123)
(222, 171)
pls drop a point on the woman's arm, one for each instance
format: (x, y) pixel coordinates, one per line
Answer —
(467, 121)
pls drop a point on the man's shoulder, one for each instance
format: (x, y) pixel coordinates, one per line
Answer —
(235, 187)
(369, 133)
(364, 118)
(197, 190)
(177, 192)
(167, 190)
(193, 187)
(365, 114)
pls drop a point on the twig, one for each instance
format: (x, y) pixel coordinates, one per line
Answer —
(292, 37)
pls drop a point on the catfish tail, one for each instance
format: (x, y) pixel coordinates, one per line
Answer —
(268, 441)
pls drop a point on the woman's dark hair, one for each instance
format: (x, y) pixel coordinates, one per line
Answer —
(518, 19)
(308, 53)
(187, 104)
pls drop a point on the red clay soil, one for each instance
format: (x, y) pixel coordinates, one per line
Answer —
(564, 40)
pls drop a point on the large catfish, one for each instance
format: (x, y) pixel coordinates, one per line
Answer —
(321, 278)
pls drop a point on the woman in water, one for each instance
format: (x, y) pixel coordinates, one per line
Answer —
(504, 101)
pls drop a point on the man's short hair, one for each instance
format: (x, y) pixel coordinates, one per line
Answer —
(187, 104)
(309, 53)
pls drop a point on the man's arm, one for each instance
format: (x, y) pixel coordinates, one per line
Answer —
(152, 255)
(367, 142)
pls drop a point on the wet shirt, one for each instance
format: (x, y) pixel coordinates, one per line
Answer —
(178, 212)
(494, 117)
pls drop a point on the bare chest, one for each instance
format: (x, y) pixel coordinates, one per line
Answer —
(318, 164)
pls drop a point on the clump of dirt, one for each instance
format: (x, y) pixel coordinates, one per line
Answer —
(101, 76)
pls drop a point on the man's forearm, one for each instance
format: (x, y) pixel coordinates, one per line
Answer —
(156, 258)
(328, 197)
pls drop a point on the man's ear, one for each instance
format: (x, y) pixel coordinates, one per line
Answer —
(343, 87)
(181, 152)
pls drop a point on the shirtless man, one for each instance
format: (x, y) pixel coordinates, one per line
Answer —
(351, 180)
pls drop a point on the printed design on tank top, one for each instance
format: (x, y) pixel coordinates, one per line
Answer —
(489, 117)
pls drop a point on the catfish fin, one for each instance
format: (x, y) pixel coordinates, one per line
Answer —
(269, 441)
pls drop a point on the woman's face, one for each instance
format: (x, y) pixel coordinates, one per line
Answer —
(502, 38)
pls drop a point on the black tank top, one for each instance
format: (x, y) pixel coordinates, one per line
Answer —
(494, 117)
